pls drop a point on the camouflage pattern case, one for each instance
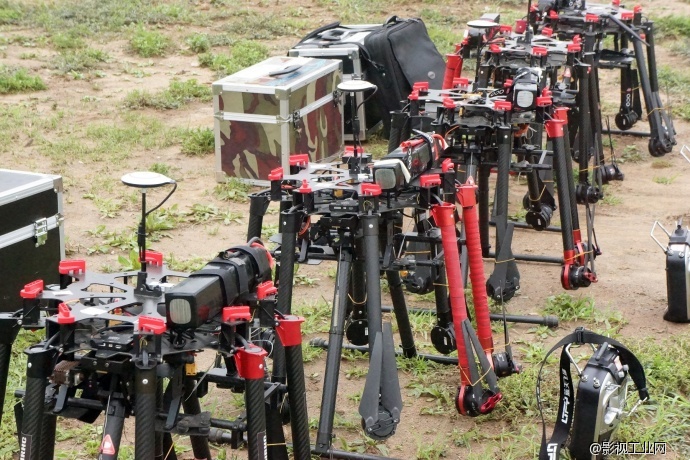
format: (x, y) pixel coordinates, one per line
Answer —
(279, 107)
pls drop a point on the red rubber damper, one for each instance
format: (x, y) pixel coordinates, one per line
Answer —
(467, 198)
(452, 62)
(445, 219)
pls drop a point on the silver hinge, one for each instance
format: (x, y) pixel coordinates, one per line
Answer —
(41, 231)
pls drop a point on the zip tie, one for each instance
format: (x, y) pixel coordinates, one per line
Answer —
(540, 195)
(504, 261)
(354, 302)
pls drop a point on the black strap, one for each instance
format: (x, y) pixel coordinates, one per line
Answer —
(316, 32)
(551, 450)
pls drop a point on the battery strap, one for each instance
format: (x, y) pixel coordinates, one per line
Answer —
(550, 450)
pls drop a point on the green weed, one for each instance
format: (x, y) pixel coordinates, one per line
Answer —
(631, 154)
(673, 26)
(198, 43)
(175, 96)
(18, 80)
(665, 180)
(569, 309)
(316, 316)
(74, 62)
(185, 265)
(198, 141)
(232, 189)
(149, 43)
(243, 54)
(677, 84)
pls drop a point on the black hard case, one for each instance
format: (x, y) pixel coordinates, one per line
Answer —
(31, 232)
(400, 54)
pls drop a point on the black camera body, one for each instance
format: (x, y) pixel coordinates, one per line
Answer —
(600, 401)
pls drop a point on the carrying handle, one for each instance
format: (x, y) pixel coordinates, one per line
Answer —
(685, 151)
(657, 223)
(334, 35)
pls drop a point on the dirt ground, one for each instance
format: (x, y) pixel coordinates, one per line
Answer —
(631, 270)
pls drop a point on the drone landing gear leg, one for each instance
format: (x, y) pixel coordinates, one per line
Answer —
(112, 429)
(511, 283)
(258, 204)
(381, 400)
(9, 327)
(39, 366)
(401, 315)
(191, 406)
(335, 348)
(145, 409)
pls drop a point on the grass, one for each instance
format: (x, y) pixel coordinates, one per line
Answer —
(673, 26)
(660, 163)
(198, 142)
(149, 43)
(568, 308)
(243, 54)
(203, 42)
(677, 84)
(75, 62)
(18, 80)
(631, 154)
(232, 190)
(665, 180)
(178, 94)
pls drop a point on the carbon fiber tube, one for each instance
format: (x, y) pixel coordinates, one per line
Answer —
(372, 268)
(357, 300)
(555, 130)
(39, 366)
(653, 115)
(159, 434)
(257, 209)
(191, 406)
(549, 320)
(444, 215)
(443, 313)
(5, 356)
(483, 204)
(584, 132)
(114, 423)
(503, 139)
(474, 251)
(595, 120)
(32, 423)
(299, 418)
(401, 315)
(562, 113)
(335, 348)
(256, 419)
(290, 222)
(48, 428)
(145, 410)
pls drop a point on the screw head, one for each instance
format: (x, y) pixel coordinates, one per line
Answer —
(145, 381)
(28, 365)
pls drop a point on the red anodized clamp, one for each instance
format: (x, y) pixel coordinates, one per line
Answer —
(32, 290)
(553, 15)
(421, 86)
(545, 99)
(505, 106)
(466, 194)
(637, 9)
(370, 189)
(448, 103)
(250, 362)
(304, 188)
(289, 330)
(574, 48)
(75, 266)
(153, 257)
(616, 2)
(562, 114)
(276, 174)
(505, 28)
(461, 81)
(429, 180)
(414, 95)
(539, 51)
(627, 16)
(151, 324)
(236, 313)
(554, 128)
(494, 48)
(265, 289)
(299, 160)
(508, 83)
(520, 26)
(447, 165)
(64, 315)
(589, 17)
(547, 31)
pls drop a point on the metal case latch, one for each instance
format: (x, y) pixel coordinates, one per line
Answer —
(41, 231)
